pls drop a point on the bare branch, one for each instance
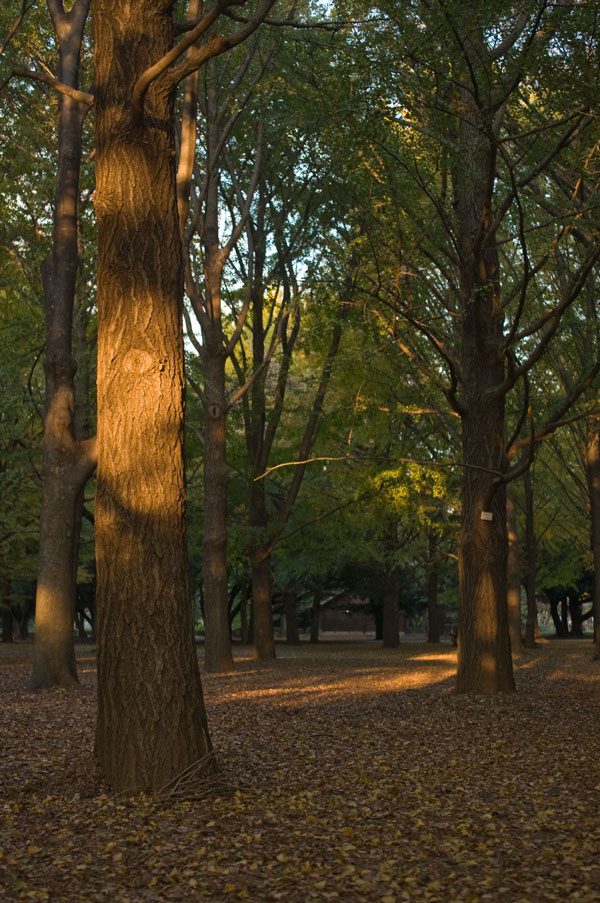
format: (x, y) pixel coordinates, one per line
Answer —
(80, 96)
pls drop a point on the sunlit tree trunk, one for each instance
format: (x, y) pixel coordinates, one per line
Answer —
(151, 718)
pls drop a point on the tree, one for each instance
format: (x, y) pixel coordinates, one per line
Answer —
(204, 284)
(462, 117)
(67, 462)
(146, 654)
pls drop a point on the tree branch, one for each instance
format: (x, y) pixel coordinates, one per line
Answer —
(80, 96)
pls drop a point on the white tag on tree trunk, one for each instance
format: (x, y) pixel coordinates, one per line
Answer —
(487, 515)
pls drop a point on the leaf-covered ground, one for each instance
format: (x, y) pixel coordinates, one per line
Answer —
(355, 773)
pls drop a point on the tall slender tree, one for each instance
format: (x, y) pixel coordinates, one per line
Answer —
(67, 462)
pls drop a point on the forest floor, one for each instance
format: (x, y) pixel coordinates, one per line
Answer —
(354, 773)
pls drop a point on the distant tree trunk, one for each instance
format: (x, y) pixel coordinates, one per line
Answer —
(151, 718)
(245, 627)
(7, 615)
(66, 463)
(556, 618)
(390, 615)
(315, 617)
(530, 579)
(218, 657)
(513, 590)
(264, 641)
(564, 616)
(378, 617)
(593, 481)
(290, 609)
(578, 616)
(7, 624)
(434, 615)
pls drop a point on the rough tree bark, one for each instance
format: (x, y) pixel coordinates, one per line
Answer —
(151, 717)
(67, 463)
(484, 655)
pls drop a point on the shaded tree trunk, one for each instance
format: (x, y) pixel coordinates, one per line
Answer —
(530, 579)
(593, 481)
(315, 617)
(290, 610)
(7, 615)
(264, 641)
(556, 617)
(434, 615)
(151, 718)
(513, 589)
(564, 616)
(245, 627)
(66, 462)
(484, 655)
(378, 616)
(218, 657)
(390, 615)
(578, 616)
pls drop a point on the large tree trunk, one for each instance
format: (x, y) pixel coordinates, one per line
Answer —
(151, 717)
(66, 463)
(484, 655)
(593, 481)
(530, 579)
(513, 589)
